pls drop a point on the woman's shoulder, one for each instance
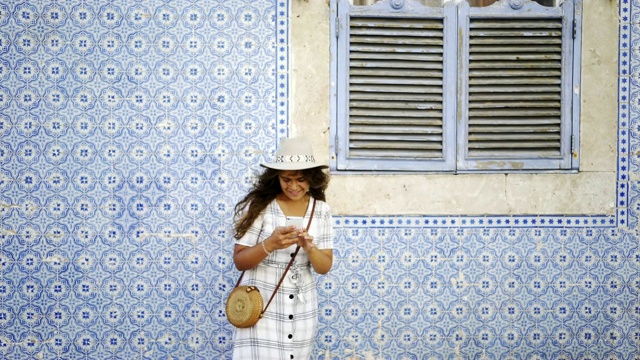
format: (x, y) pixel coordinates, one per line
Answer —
(271, 208)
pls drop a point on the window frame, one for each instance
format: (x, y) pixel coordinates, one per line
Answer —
(454, 130)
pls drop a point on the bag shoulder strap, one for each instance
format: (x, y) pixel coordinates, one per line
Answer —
(313, 209)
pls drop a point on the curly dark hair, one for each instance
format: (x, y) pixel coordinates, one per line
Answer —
(266, 188)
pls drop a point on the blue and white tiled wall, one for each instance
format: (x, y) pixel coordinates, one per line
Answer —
(130, 128)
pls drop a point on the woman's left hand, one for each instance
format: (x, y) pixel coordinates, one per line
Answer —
(305, 241)
(321, 260)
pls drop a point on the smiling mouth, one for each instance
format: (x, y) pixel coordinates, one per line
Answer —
(295, 192)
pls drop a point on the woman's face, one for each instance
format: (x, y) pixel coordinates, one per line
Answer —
(293, 183)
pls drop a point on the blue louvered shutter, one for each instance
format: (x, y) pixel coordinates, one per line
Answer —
(394, 71)
(519, 66)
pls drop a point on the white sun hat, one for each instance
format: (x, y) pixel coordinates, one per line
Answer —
(294, 153)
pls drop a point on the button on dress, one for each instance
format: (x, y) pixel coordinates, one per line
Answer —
(288, 328)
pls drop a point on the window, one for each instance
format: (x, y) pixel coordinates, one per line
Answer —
(455, 88)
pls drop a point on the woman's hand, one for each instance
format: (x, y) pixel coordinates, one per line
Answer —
(321, 260)
(306, 241)
(246, 258)
(282, 237)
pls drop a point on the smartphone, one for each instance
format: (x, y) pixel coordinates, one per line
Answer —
(294, 220)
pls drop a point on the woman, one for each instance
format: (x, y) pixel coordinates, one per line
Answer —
(264, 246)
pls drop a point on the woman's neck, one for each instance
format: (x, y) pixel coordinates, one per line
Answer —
(293, 207)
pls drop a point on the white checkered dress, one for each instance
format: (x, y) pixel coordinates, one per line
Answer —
(288, 328)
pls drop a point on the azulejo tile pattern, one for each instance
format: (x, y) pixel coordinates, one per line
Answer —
(128, 129)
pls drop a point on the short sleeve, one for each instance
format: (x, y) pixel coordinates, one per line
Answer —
(252, 235)
(324, 236)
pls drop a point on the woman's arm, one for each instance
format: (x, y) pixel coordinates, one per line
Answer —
(248, 257)
(321, 260)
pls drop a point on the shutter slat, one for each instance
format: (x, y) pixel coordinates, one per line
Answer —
(516, 73)
(526, 138)
(522, 33)
(520, 41)
(394, 73)
(395, 96)
(404, 23)
(518, 23)
(509, 96)
(514, 105)
(525, 90)
(510, 153)
(394, 113)
(435, 57)
(380, 105)
(413, 65)
(396, 138)
(392, 154)
(387, 129)
(396, 145)
(514, 144)
(525, 128)
(392, 88)
(395, 32)
(512, 81)
(394, 81)
(516, 63)
(503, 120)
(511, 112)
(358, 42)
(393, 48)
(380, 121)
(499, 48)
(510, 58)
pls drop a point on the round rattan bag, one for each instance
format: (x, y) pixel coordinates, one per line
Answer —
(244, 306)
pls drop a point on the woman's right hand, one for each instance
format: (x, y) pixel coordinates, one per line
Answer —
(246, 258)
(282, 237)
